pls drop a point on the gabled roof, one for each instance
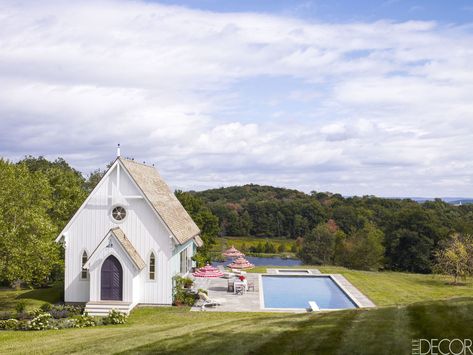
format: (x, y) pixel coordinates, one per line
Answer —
(125, 244)
(163, 200)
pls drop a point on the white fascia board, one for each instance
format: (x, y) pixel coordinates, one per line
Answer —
(101, 245)
(87, 200)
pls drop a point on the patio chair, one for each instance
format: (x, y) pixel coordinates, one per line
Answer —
(231, 285)
(240, 289)
(206, 301)
(251, 285)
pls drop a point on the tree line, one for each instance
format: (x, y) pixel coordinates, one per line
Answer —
(38, 197)
(360, 232)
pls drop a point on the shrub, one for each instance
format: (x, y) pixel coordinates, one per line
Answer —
(63, 323)
(84, 321)
(65, 311)
(115, 317)
(6, 315)
(45, 307)
(182, 294)
(8, 324)
(201, 290)
(40, 322)
(282, 248)
(20, 307)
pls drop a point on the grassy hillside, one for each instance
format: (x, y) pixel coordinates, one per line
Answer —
(386, 330)
(33, 298)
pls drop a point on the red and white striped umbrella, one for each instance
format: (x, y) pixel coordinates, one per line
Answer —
(241, 263)
(208, 271)
(232, 252)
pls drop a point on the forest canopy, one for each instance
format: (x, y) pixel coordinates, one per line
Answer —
(407, 232)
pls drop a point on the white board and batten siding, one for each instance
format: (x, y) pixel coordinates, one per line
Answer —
(146, 232)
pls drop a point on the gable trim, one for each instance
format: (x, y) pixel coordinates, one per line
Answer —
(74, 217)
(116, 164)
(129, 249)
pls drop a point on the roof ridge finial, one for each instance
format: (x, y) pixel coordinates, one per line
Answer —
(118, 150)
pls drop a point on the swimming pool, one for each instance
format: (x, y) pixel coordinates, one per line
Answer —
(295, 292)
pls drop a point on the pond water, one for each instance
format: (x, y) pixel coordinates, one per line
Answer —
(257, 261)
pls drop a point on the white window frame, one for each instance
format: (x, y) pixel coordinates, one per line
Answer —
(82, 270)
(183, 262)
(152, 254)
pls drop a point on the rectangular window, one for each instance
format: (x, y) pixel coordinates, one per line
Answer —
(152, 267)
(184, 268)
(84, 273)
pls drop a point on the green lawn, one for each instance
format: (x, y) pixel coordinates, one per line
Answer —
(404, 314)
(386, 330)
(396, 288)
(33, 298)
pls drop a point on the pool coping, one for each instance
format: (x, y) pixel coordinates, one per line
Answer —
(333, 277)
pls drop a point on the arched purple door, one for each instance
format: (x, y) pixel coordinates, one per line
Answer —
(111, 279)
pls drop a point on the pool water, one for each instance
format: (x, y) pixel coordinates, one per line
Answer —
(297, 291)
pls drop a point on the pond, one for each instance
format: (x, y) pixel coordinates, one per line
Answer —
(257, 261)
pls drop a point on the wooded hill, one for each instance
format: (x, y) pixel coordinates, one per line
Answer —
(38, 197)
(411, 231)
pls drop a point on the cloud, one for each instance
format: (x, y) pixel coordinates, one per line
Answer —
(358, 108)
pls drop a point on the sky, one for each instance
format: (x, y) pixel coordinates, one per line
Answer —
(353, 97)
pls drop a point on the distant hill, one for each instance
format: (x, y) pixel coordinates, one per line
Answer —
(267, 192)
(450, 200)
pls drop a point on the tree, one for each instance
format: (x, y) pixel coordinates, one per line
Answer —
(67, 187)
(93, 179)
(205, 220)
(282, 248)
(456, 259)
(269, 248)
(363, 249)
(318, 246)
(27, 249)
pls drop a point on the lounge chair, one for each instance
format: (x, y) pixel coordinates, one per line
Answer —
(206, 301)
(228, 275)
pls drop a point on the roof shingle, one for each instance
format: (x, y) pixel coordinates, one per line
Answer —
(163, 201)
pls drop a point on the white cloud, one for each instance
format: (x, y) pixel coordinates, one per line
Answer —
(382, 108)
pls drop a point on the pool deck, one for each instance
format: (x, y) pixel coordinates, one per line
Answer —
(250, 300)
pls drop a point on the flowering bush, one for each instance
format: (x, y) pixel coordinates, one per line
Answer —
(6, 315)
(63, 323)
(65, 311)
(58, 317)
(84, 321)
(8, 324)
(45, 307)
(115, 317)
(40, 322)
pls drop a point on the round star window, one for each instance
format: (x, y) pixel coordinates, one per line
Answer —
(118, 213)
